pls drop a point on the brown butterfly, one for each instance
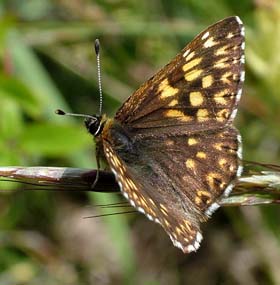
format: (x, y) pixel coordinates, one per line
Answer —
(172, 145)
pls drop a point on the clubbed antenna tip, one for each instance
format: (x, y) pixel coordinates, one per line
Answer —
(97, 46)
(59, 112)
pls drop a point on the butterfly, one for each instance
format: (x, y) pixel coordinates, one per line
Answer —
(172, 145)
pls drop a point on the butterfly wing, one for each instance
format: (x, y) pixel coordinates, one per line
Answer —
(176, 181)
(171, 146)
(145, 195)
(198, 90)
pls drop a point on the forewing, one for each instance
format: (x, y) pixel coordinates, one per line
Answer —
(177, 181)
(200, 87)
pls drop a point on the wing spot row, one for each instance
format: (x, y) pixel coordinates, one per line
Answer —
(205, 35)
(222, 50)
(225, 77)
(192, 141)
(207, 81)
(222, 63)
(203, 196)
(190, 163)
(191, 64)
(230, 35)
(222, 162)
(223, 115)
(193, 74)
(201, 154)
(177, 114)
(169, 142)
(166, 90)
(196, 98)
(173, 103)
(220, 97)
(213, 178)
(202, 115)
(209, 43)
(189, 56)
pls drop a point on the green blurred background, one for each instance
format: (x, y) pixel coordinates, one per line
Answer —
(47, 60)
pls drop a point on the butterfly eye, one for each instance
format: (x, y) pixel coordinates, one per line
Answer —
(93, 125)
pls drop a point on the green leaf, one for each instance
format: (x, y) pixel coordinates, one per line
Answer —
(54, 139)
(16, 90)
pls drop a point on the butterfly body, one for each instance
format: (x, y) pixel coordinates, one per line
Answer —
(172, 145)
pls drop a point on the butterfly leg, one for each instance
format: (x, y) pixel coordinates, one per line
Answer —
(95, 179)
(97, 170)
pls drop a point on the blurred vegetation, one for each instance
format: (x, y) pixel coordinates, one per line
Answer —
(47, 60)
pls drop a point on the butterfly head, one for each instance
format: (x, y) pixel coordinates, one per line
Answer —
(94, 124)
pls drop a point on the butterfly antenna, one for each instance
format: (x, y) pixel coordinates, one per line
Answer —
(97, 52)
(62, 113)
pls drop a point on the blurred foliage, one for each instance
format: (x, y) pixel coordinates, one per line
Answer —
(48, 63)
